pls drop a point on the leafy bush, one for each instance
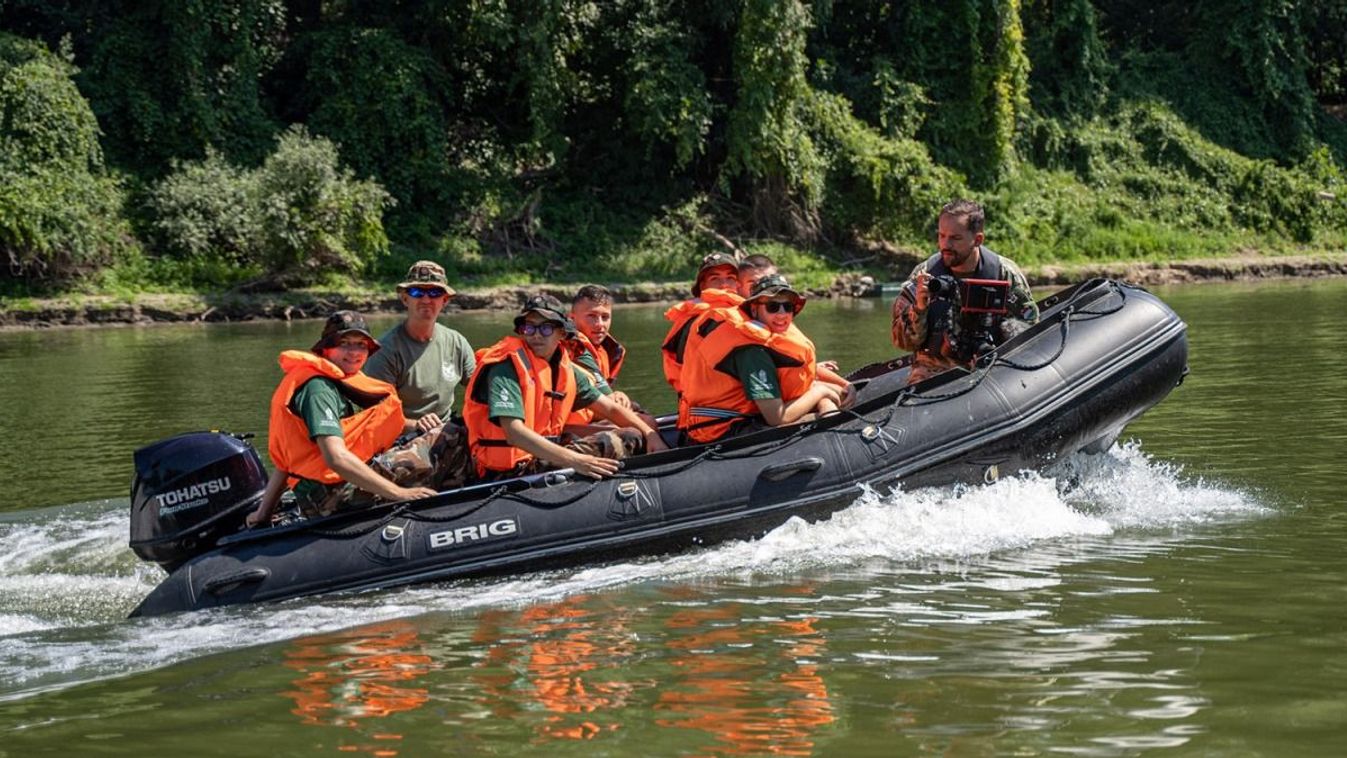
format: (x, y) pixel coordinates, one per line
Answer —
(60, 212)
(299, 214)
(207, 209)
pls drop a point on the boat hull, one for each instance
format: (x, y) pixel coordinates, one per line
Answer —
(1103, 354)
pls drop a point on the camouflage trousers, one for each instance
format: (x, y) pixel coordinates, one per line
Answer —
(437, 459)
(615, 443)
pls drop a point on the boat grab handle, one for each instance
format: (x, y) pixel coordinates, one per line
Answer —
(779, 471)
(222, 584)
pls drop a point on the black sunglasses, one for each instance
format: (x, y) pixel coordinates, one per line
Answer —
(781, 306)
(426, 291)
(528, 330)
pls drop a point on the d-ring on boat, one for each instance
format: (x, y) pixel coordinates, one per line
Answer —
(1103, 353)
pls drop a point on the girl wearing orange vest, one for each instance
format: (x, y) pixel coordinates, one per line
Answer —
(314, 443)
(759, 369)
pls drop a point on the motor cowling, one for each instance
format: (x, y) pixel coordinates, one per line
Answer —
(190, 490)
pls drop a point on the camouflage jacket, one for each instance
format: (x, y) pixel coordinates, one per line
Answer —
(909, 327)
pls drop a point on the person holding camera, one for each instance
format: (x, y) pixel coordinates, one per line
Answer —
(962, 301)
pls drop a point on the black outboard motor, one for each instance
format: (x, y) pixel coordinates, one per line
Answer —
(189, 491)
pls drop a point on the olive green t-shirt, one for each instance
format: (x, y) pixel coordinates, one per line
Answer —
(425, 373)
(506, 396)
(754, 368)
(587, 361)
(321, 406)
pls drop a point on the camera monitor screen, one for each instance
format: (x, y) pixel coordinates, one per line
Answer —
(985, 296)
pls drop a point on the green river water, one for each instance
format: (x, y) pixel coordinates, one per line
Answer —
(1183, 594)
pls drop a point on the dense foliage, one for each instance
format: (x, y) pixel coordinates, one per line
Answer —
(562, 139)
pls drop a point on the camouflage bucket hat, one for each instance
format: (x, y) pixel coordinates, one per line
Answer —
(549, 308)
(771, 286)
(426, 274)
(710, 262)
(342, 323)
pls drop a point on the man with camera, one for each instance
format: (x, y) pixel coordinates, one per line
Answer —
(962, 302)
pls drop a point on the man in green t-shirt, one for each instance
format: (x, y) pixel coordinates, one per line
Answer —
(423, 358)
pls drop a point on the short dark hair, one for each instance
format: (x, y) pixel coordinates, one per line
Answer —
(594, 292)
(968, 209)
(756, 262)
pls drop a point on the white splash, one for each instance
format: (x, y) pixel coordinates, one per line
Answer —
(67, 579)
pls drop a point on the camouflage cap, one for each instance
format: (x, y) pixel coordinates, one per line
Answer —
(342, 323)
(711, 262)
(772, 285)
(549, 308)
(426, 274)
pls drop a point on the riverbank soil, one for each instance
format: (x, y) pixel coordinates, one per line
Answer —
(92, 310)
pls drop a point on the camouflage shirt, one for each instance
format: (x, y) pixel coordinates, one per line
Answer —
(909, 328)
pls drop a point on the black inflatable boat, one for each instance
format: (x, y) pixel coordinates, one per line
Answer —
(1103, 353)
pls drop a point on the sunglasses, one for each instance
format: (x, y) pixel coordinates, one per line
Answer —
(545, 330)
(432, 292)
(779, 306)
(361, 346)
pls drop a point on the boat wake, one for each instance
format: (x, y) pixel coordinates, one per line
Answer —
(67, 579)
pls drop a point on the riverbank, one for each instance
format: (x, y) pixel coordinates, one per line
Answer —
(99, 310)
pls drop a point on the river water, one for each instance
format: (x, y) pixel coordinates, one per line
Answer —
(1184, 593)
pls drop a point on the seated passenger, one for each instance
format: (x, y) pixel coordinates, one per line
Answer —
(755, 267)
(424, 359)
(327, 421)
(593, 347)
(525, 388)
(717, 286)
(757, 372)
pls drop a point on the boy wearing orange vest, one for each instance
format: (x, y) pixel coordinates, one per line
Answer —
(327, 420)
(717, 286)
(593, 347)
(525, 388)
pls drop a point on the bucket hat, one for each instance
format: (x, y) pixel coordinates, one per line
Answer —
(549, 308)
(426, 274)
(342, 323)
(713, 261)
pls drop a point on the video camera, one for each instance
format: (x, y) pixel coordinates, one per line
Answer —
(973, 319)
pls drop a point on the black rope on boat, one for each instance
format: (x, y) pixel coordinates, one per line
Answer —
(1065, 323)
(677, 469)
(519, 497)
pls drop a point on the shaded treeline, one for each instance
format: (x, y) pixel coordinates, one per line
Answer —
(176, 142)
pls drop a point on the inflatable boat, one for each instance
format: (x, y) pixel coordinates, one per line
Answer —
(1102, 354)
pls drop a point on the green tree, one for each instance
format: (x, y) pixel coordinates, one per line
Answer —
(60, 211)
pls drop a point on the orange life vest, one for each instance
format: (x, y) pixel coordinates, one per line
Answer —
(367, 433)
(674, 347)
(547, 402)
(715, 398)
(609, 355)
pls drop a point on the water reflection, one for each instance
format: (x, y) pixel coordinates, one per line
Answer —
(367, 673)
(752, 685)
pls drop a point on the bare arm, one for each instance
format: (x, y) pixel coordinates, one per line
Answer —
(353, 470)
(820, 396)
(518, 434)
(847, 394)
(270, 497)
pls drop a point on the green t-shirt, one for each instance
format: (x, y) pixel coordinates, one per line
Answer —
(505, 396)
(753, 366)
(587, 361)
(321, 406)
(425, 373)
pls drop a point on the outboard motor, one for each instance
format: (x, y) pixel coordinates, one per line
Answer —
(189, 491)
